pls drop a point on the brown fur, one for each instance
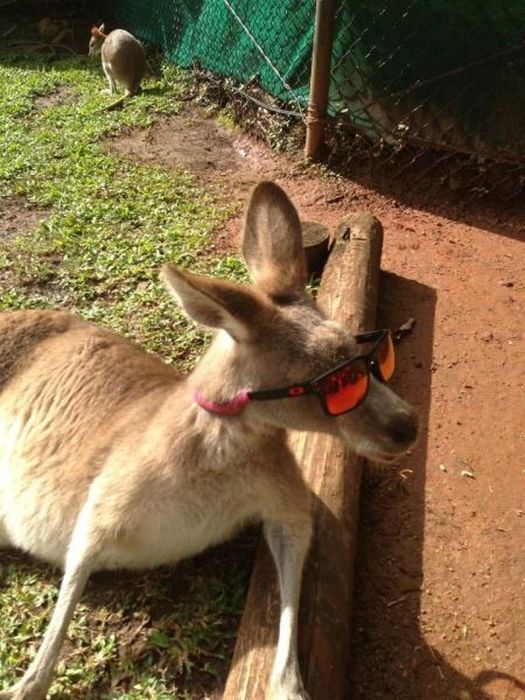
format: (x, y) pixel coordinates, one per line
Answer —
(107, 460)
(123, 58)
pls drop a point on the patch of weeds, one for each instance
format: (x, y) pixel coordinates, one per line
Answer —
(285, 135)
(111, 223)
(108, 226)
(251, 110)
(227, 120)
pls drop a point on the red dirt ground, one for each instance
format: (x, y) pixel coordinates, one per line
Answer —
(439, 603)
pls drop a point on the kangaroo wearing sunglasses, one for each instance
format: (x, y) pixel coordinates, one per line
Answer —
(110, 459)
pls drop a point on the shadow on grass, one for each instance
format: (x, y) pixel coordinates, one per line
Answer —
(174, 624)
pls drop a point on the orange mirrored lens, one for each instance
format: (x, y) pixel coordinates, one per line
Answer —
(345, 388)
(386, 357)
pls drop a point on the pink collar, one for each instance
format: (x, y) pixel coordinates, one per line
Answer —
(230, 408)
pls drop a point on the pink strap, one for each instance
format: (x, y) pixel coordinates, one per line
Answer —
(230, 408)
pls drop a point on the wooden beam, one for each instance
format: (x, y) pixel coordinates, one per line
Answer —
(348, 293)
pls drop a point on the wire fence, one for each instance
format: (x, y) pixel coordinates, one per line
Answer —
(446, 73)
(441, 74)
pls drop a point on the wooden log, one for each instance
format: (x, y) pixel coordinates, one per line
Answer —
(348, 293)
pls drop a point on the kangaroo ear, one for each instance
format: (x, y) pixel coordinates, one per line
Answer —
(102, 28)
(273, 242)
(217, 303)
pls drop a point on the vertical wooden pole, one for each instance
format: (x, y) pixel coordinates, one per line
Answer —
(320, 76)
(348, 293)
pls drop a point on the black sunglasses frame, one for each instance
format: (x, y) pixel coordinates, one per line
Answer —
(308, 388)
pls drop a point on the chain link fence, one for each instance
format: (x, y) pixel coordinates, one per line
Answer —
(447, 73)
(428, 74)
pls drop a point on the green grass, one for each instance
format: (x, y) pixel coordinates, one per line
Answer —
(166, 633)
(110, 223)
(105, 227)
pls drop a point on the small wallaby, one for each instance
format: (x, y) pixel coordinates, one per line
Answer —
(123, 59)
(110, 459)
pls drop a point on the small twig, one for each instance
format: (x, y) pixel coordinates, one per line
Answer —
(396, 601)
(151, 70)
(34, 44)
(8, 31)
(117, 104)
(467, 473)
(138, 630)
(404, 330)
(442, 675)
(61, 35)
(67, 48)
(334, 198)
(43, 45)
(268, 107)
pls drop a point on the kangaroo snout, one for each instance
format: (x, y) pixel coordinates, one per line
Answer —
(403, 429)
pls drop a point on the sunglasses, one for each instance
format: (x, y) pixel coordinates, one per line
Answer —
(345, 386)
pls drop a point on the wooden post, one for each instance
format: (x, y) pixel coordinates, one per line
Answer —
(348, 293)
(320, 76)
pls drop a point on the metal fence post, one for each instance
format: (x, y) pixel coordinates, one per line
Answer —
(320, 76)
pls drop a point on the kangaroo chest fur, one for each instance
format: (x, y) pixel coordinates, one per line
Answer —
(177, 517)
(157, 469)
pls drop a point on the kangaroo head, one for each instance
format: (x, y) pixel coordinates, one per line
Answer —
(273, 335)
(98, 36)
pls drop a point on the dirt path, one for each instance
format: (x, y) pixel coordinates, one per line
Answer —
(439, 604)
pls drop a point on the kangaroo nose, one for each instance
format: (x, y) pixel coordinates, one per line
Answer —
(403, 428)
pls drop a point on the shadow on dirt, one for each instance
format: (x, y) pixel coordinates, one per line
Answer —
(486, 195)
(390, 657)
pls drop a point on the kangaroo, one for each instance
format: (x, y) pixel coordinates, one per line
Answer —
(123, 58)
(111, 459)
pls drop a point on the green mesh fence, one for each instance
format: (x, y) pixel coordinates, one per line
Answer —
(450, 73)
(253, 39)
(445, 72)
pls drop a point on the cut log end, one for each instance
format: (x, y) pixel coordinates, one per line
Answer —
(316, 239)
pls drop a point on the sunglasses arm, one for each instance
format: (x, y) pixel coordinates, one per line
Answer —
(370, 336)
(283, 393)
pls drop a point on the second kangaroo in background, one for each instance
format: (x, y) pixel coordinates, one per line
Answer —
(123, 59)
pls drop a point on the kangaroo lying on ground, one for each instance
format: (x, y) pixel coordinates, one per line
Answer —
(110, 459)
(123, 59)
